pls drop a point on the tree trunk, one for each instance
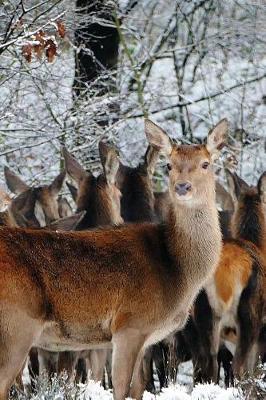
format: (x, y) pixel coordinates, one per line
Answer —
(98, 43)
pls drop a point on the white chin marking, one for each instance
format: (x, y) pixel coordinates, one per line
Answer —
(184, 198)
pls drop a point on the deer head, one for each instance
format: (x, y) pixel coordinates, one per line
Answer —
(248, 220)
(45, 196)
(191, 176)
(98, 196)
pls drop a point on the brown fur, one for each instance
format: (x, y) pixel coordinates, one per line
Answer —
(99, 197)
(161, 205)
(137, 202)
(234, 269)
(131, 285)
(28, 198)
(101, 200)
(237, 289)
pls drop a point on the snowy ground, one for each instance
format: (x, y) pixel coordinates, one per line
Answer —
(182, 390)
(175, 392)
(94, 391)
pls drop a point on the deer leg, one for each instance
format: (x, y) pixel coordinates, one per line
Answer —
(171, 354)
(253, 357)
(248, 329)
(81, 370)
(47, 361)
(126, 347)
(225, 358)
(246, 353)
(148, 366)
(67, 361)
(160, 354)
(140, 377)
(17, 334)
(33, 366)
(215, 342)
(98, 361)
(109, 369)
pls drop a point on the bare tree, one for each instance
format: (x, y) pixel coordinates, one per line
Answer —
(185, 64)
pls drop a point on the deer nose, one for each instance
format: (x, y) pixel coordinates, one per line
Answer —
(183, 188)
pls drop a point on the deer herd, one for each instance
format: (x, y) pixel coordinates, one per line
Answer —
(134, 279)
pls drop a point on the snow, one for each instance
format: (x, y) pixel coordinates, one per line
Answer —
(94, 391)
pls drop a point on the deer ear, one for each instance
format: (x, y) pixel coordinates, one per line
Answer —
(14, 183)
(151, 157)
(67, 223)
(158, 138)
(73, 191)
(22, 209)
(262, 187)
(57, 183)
(72, 166)
(110, 161)
(20, 220)
(235, 185)
(217, 138)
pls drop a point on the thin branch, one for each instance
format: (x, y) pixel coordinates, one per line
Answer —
(211, 96)
(29, 146)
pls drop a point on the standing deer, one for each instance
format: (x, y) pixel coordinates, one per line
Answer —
(21, 213)
(235, 296)
(130, 286)
(185, 344)
(100, 198)
(137, 205)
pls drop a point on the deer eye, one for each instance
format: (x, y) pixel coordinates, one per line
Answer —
(205, 165)
(169, 167)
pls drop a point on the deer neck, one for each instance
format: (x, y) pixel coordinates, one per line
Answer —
(195, 242)
(248, 223)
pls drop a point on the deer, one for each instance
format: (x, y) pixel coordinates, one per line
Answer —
(100, 198)
(44, 197)
(235, 296)
(134, 183)
(20, 212)
(185, 344)
(137, 204)
(149, 274)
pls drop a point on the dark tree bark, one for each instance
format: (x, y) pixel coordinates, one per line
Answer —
(98, 43)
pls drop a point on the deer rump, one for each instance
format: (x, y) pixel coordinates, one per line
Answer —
(69, 280)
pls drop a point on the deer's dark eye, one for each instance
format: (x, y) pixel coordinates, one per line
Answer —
(205, 165)
(169, 167)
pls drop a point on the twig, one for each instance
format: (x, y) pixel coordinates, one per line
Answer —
(211, 96)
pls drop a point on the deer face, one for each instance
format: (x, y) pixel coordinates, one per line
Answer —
(190, 173)
(45, 206)
(191, 178)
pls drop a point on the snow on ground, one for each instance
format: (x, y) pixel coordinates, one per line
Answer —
(59, 389)
(94, 391)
